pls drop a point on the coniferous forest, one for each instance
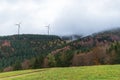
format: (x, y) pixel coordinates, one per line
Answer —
(27, 51)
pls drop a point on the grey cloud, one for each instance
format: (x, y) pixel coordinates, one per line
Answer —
(80, 20)
(80, 17)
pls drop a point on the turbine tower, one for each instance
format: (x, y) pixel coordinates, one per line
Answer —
(48, 29)
(19, 25)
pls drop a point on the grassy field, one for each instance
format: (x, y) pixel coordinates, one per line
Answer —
(108, 72)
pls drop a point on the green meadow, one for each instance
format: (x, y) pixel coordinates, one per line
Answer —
(104, 72)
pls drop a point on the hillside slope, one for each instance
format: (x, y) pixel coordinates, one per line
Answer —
(17, 49)
(96, 49)
(41, 51)
(108, 72)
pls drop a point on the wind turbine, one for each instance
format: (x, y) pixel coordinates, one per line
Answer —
(48, 29)
(19, 25)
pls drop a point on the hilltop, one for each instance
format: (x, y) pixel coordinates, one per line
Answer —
(27, 49)
(95, 49)
(41, 51)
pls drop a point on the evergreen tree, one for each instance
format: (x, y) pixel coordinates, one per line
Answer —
(51, 60)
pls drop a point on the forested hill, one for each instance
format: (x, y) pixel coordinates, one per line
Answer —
(29, 37)
(99, 48)
(40, 51)
(16, 49)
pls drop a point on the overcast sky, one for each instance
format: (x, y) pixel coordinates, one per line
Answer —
(64, 16)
